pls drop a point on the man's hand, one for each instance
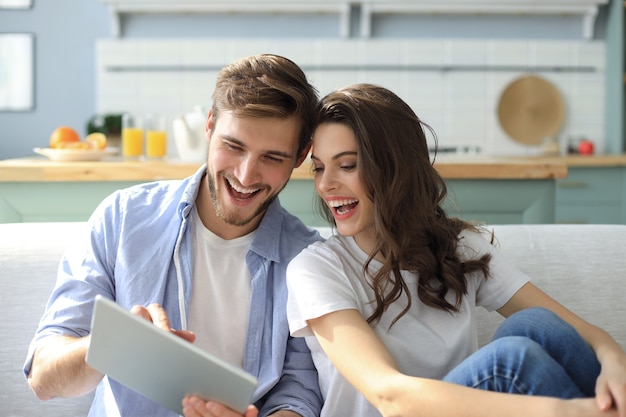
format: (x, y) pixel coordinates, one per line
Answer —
(157, 315)
(194, 406)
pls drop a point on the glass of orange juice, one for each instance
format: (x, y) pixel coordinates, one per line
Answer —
(132, 136)
(156, 137)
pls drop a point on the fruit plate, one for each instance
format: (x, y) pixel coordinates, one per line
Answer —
(76, 154)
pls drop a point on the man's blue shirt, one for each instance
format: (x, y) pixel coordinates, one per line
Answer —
(138, 251)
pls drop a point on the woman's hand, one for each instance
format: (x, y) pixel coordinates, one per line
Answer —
(611, 384)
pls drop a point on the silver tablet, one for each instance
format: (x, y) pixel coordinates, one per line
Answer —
(161, 365)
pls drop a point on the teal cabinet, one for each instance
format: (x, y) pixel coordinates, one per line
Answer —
(53, 201)
(478, 201)
(593, 195)
(502, 201)
(481, 201)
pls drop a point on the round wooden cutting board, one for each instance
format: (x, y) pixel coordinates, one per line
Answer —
(531, 109)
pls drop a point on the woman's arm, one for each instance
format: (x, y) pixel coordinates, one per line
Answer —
(611, 384)
(362, 358)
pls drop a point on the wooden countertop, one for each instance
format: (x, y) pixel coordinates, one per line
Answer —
(575, 161)
(35, 169)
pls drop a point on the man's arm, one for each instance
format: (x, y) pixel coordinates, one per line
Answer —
(298, 388)
(59, 368)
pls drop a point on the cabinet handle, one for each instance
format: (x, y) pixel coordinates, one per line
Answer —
(572, 184)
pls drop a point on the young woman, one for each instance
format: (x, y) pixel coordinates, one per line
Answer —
(387, 306)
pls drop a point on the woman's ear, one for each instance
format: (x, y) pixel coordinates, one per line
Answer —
(303, 154)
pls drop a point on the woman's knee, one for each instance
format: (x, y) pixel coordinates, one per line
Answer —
(534, 322)
(515, 364)
(515, 351)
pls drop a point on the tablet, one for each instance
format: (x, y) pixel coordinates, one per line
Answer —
(161, 365)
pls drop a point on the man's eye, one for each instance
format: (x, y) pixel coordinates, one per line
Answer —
(275, 160)
(233, 147)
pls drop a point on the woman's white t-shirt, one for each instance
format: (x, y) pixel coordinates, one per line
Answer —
(426, 342)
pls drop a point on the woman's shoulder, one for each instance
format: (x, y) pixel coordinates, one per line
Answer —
(333, 245)
(474, 242)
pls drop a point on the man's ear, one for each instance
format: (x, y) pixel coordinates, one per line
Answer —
(303, 155)
(208, 129)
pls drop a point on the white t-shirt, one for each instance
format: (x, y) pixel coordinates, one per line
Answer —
(425, 342)
(220, 298)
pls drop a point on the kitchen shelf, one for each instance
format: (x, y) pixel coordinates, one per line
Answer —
(587, 9)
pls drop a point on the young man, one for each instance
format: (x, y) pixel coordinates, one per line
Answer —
(206, 254)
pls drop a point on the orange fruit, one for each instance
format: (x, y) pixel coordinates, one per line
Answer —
(96, 140)
(74, 145)
(62, 136)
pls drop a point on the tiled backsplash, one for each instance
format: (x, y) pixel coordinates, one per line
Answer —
(453, 85)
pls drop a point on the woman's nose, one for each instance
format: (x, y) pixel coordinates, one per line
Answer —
(325, 182)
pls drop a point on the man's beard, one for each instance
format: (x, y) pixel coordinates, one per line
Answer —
(234, 219)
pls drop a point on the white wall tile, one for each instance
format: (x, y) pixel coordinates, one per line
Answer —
(425, 53)
(508, 53)
(460, 103)
(163, 52)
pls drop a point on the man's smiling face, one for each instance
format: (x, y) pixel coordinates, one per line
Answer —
(250, 161)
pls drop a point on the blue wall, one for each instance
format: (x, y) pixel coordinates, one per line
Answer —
(65, 31)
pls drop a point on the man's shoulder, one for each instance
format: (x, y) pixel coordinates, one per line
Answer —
(288, 233)
(293, 226)
(161, 191)
(140, 203)
(150, 193)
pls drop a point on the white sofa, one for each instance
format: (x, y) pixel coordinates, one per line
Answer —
(583, 266)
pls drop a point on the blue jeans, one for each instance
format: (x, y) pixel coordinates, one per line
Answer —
(533, 352)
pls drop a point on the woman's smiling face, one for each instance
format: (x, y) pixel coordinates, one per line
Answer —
(337, 181)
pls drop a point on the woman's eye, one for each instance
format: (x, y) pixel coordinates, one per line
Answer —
(316, 169)
(348, 167)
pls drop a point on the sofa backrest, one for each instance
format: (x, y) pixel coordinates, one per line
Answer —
(582, 266)
(29, 257)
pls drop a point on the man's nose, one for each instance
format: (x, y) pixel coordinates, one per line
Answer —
(248, 171)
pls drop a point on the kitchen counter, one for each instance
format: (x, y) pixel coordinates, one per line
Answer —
(450, 167)
(575, 161)
(482, 189)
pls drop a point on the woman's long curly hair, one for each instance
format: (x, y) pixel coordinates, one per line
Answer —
(413, 231)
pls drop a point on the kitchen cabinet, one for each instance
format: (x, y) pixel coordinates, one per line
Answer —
(482, 190)
(479, 201)
(594, 191)
(593, 195)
